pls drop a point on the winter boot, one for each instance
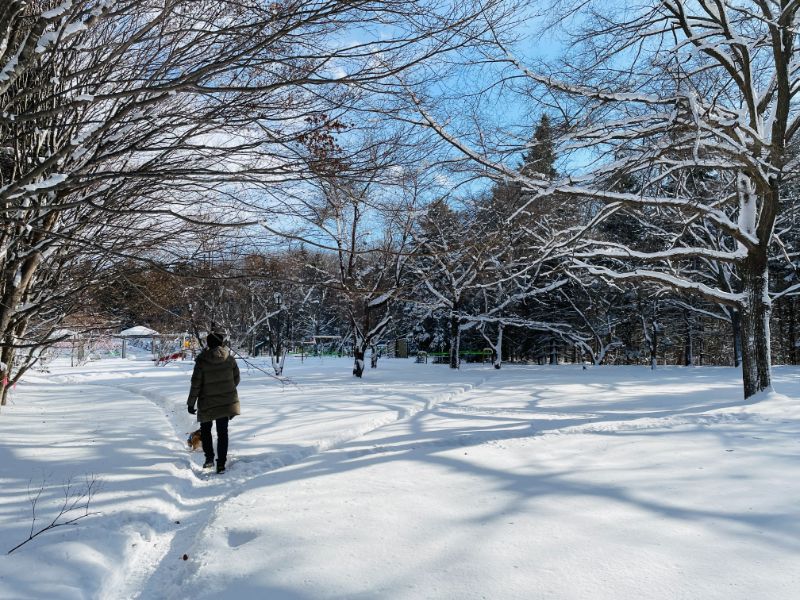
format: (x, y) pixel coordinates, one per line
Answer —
(220, 467)
(209, 464)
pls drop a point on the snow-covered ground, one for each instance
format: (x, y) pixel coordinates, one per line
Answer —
(416, 482)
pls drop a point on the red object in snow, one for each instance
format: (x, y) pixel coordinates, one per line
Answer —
(165, 359)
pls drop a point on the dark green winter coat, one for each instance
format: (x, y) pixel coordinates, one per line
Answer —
(214, 382)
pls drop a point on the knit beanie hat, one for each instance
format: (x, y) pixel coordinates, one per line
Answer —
(215, 339)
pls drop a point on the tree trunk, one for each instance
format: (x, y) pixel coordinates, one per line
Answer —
(497, 349)
(755, 314)
(654, 344)
(358, 362)
(15, 291)
(7, 358)
(792, 335)
(689, 350)
(495, 346)
(373, 359)
(553, 352)
(278, 360)
(455, 342)
(736, 329)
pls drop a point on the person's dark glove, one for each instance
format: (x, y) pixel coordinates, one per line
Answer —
(192, 411)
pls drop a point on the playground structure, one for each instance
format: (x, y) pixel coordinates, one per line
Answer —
(80, 347)
(337, 345)
(84, 347)
(173, 346)
(321, 345)
(165, 347)
(468, 356)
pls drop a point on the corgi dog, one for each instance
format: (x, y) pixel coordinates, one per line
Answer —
(194, 441)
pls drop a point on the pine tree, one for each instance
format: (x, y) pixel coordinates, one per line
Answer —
(540, 158)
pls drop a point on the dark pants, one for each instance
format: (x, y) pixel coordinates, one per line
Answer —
(222, 440)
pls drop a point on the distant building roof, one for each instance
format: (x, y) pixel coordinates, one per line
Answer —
(60, 333)
(138, 330)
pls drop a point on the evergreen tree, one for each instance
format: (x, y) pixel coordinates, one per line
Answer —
(540, 158)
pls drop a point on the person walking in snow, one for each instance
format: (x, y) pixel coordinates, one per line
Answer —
(214, 381)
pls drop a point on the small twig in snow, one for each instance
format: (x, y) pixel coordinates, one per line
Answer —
(74, 507)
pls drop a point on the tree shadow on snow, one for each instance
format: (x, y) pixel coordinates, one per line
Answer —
(430, 436)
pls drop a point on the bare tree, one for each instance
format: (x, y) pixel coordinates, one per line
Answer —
(372, 240)
(654, 92)
(129, 118)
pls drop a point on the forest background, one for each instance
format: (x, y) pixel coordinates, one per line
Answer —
(415, 170)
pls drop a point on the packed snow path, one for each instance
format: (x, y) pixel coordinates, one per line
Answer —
(417, 482)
